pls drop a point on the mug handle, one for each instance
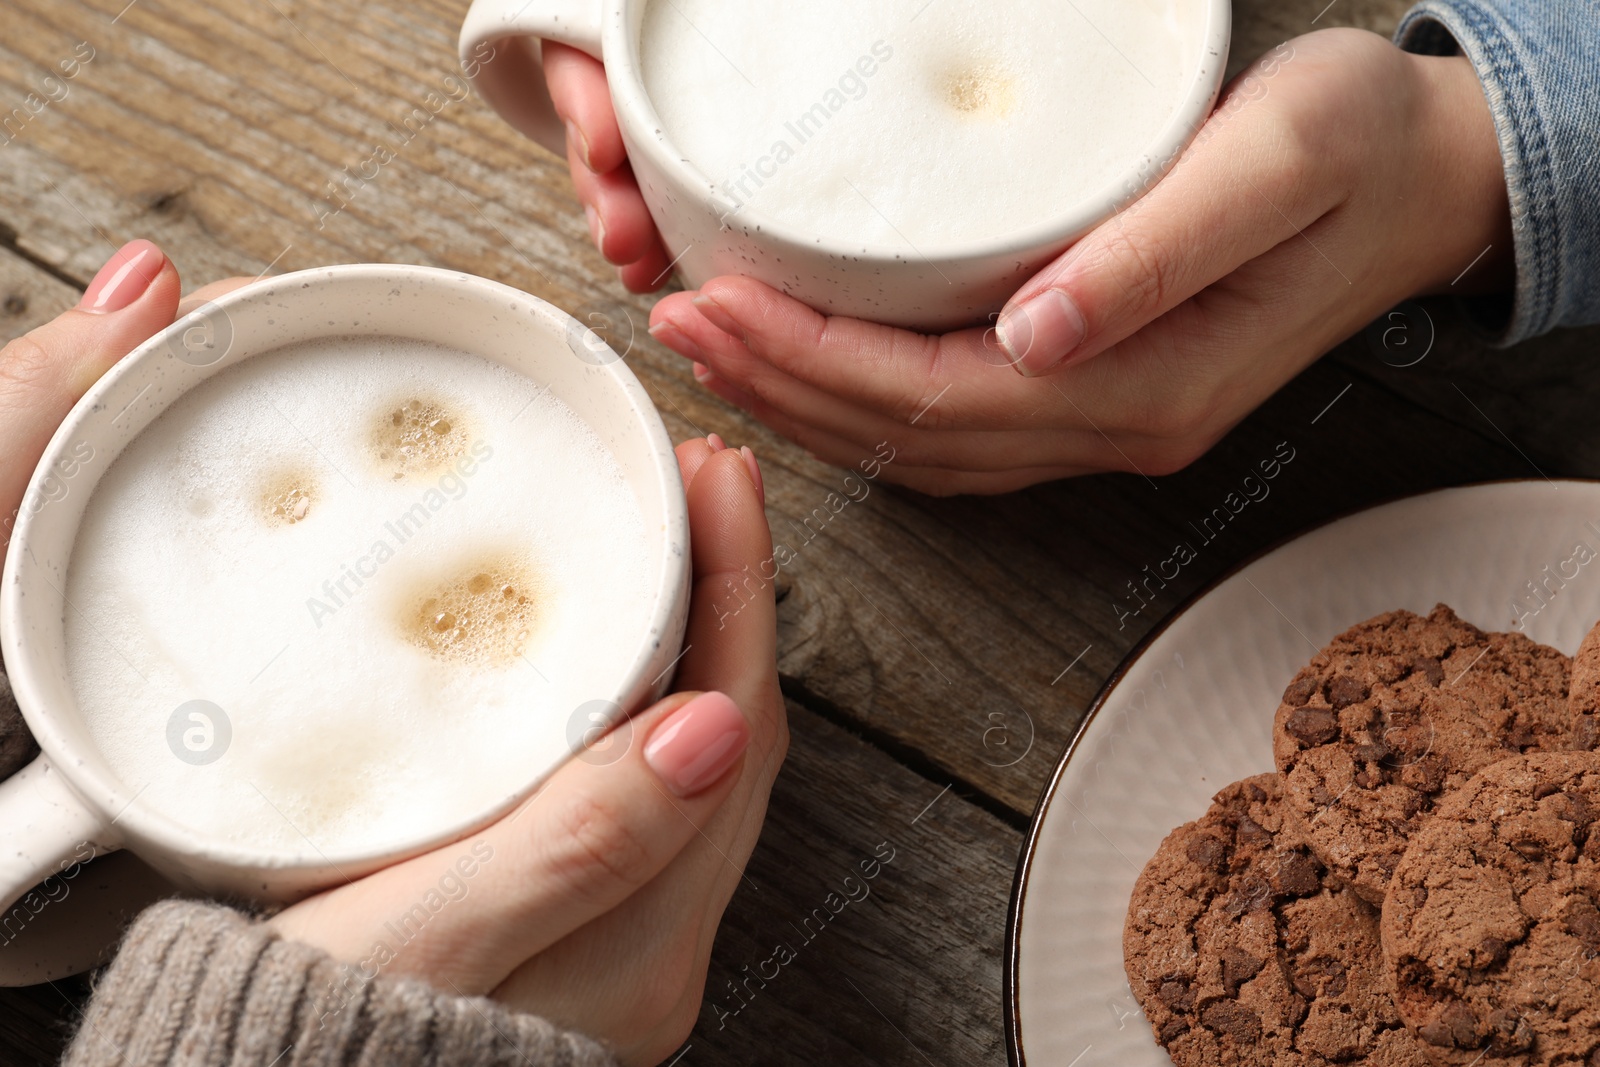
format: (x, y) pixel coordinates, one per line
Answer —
(500, 55)
(47, 830)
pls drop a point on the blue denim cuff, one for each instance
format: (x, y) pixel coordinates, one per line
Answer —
(1539, 62)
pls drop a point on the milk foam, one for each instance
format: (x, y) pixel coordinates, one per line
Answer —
(251, 548)
(913, 123)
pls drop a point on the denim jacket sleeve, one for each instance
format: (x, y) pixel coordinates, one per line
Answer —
(1539, 61)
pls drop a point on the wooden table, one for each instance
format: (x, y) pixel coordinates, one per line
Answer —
(937, 655)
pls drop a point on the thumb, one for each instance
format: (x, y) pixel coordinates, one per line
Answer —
(45, 371)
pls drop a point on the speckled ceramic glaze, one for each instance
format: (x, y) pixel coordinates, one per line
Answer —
(68, 803)
(1191, 711)
(939, 289)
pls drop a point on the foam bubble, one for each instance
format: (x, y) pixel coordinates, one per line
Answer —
(249, 549)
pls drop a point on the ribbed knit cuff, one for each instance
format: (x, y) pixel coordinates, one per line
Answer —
(200, 985)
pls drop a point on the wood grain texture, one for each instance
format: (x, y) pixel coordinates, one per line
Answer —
(28, 296)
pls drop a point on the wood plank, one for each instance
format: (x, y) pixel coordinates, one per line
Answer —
(1538, 397)
(28, 295)
(918, 943)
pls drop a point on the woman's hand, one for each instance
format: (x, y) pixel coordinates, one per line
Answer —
(1337, 177)
(619, 223)
(596, 903)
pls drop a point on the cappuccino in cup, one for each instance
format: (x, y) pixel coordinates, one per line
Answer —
(917, 124)
(350, 591)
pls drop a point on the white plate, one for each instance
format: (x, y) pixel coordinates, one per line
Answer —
(1191, 710)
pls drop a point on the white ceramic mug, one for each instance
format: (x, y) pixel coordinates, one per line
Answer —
(69, 803)
(939, 289)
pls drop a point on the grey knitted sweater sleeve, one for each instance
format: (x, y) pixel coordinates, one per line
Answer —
(201, 985)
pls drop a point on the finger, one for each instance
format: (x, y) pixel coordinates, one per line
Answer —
(797, 410)
(650, 272)
(45, 371)
(598, 830)
(692, 455)
(619, 222)
(890, 371)
(934, 480)
(1242, 188)
(578, 88)
(207, 293)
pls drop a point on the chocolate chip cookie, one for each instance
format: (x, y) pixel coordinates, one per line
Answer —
(1395, 713)
(1492, 923)
(1584, 696)
(1243, 950)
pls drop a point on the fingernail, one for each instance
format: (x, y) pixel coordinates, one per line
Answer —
(702, 373)
(669, 334)
(719, 317)
(1042, 332)
(697, 744)
(575, 136)
(755, 472)
(716, 442)
(124, 278)
(597, 228)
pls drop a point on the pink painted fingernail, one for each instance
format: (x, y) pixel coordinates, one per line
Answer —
(1041, 332)
(669, 334)
(716, 442)
(755, 472)
(124, 278)
(697, 744)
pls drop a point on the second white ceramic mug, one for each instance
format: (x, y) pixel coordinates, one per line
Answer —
(706, 233)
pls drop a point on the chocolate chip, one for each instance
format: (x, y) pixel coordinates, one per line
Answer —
(1253, 833)
(1207, 853)
(1545, 789)
(1345, 690)
(1253, 894)
(1373, 752)
(1587, 733)
(1509, 1032)
(1173, 1029)
(1594, 1059)
(1302, 689)
(1295, 1011)
(1429, 668)
(1177, 995)
(1494, 952)
(1320, 977)
(1257, 794)
(1575, 809)
(1312, 726)
(1453, 1026)
(1297, 875)
(1238, 967)
(1519, 738)
(1582, 920)
(1232, 1019)
(1425, 775)
(1528, 850)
